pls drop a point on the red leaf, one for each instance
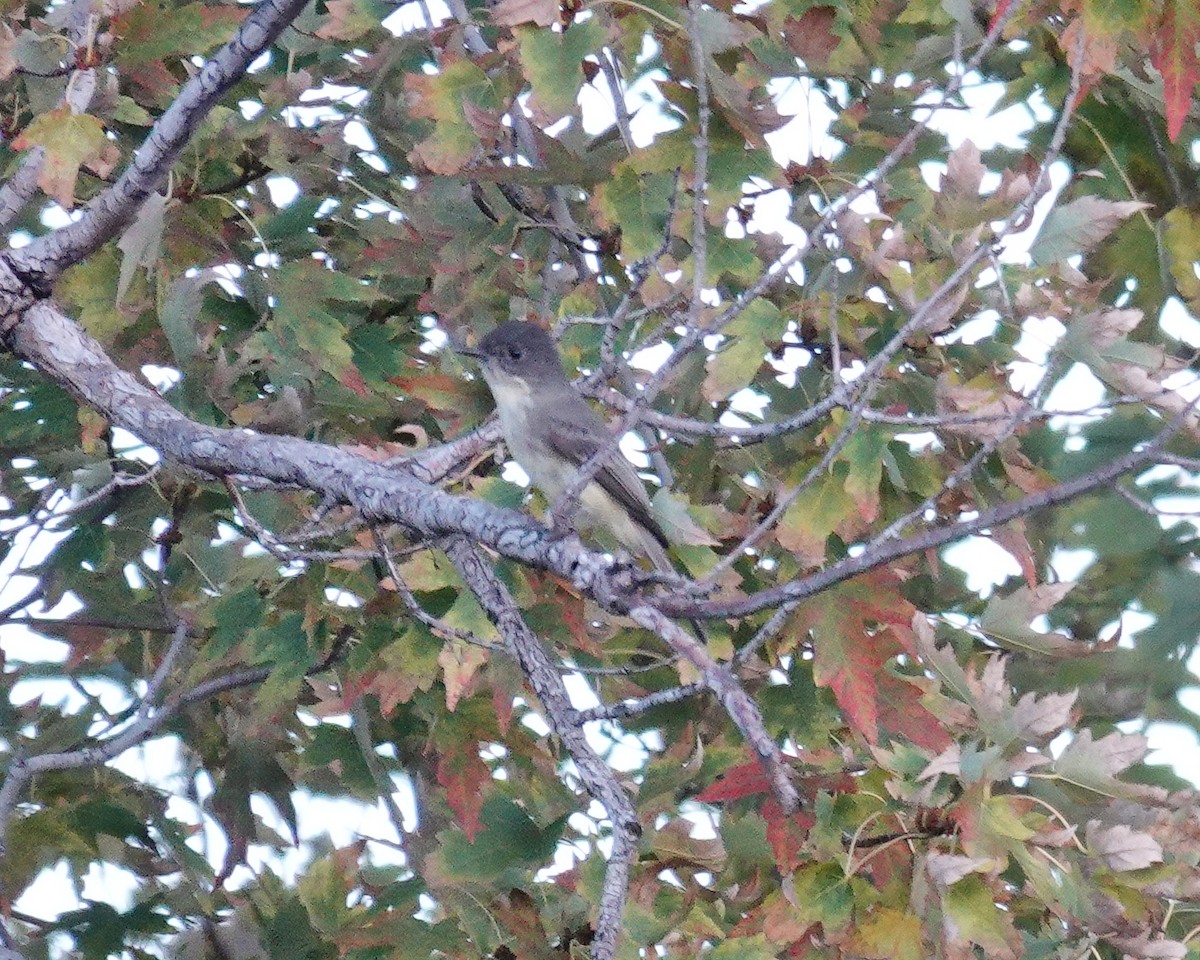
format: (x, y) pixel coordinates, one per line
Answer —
(786, 835)
(851, 645)
(352, 379)
(901, 713)
(1173, 53)
(464, 775)
(744, 780)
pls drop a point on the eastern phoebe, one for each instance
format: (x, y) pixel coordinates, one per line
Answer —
(552, 432)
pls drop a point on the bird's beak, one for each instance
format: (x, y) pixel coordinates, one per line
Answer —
(463, 350)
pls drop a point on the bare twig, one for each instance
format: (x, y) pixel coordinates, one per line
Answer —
(608, 66)
(360, 726)
(22, 770)
(439, 627)
(632, 707)
(843, 570)
(788, 497)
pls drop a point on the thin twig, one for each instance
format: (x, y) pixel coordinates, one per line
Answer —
(635, 706)
(608, 66)
(439, 627)
(842, 570)
(737, 703)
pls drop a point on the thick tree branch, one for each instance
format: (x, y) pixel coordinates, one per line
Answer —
(41, 261)
(381, 492)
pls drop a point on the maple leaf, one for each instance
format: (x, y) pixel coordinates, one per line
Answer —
(460, 662)
(1093, 764)
(744, 780)
(1078, 226)
(901, 712)
(463, 773)
(1121, 847)
(964, 171)
(1173, 53)
(850, 646)
(888, 934)
(1007, 619)
(71, 140)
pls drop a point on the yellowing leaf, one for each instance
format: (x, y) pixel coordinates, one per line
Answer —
(460, 662)
(442, 98)
(1181, 239)
(70, 141)
(888, 934)
(816, 513)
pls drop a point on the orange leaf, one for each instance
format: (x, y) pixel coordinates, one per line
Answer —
(464, 775)
(1173, 54)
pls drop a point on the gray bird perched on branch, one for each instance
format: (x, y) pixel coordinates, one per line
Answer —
(553, 432)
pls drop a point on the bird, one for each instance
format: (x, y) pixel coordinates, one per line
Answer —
(552, 431)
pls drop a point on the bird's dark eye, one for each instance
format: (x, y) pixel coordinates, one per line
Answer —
(514, 353)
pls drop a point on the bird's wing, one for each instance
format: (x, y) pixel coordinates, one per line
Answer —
(576, 433)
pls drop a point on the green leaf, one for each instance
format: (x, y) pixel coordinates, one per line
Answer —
(178, 313)
(973, 917)
(552, 62)
(150, 32)
(509, 841)
(736, 363)
(301, 331)
(1078, 226)
(141, 243)
(822, 894)
(639, 205)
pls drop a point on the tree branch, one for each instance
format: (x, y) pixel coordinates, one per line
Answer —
(146, 723)
(598, 779)
(40, 262)
(887, 551)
